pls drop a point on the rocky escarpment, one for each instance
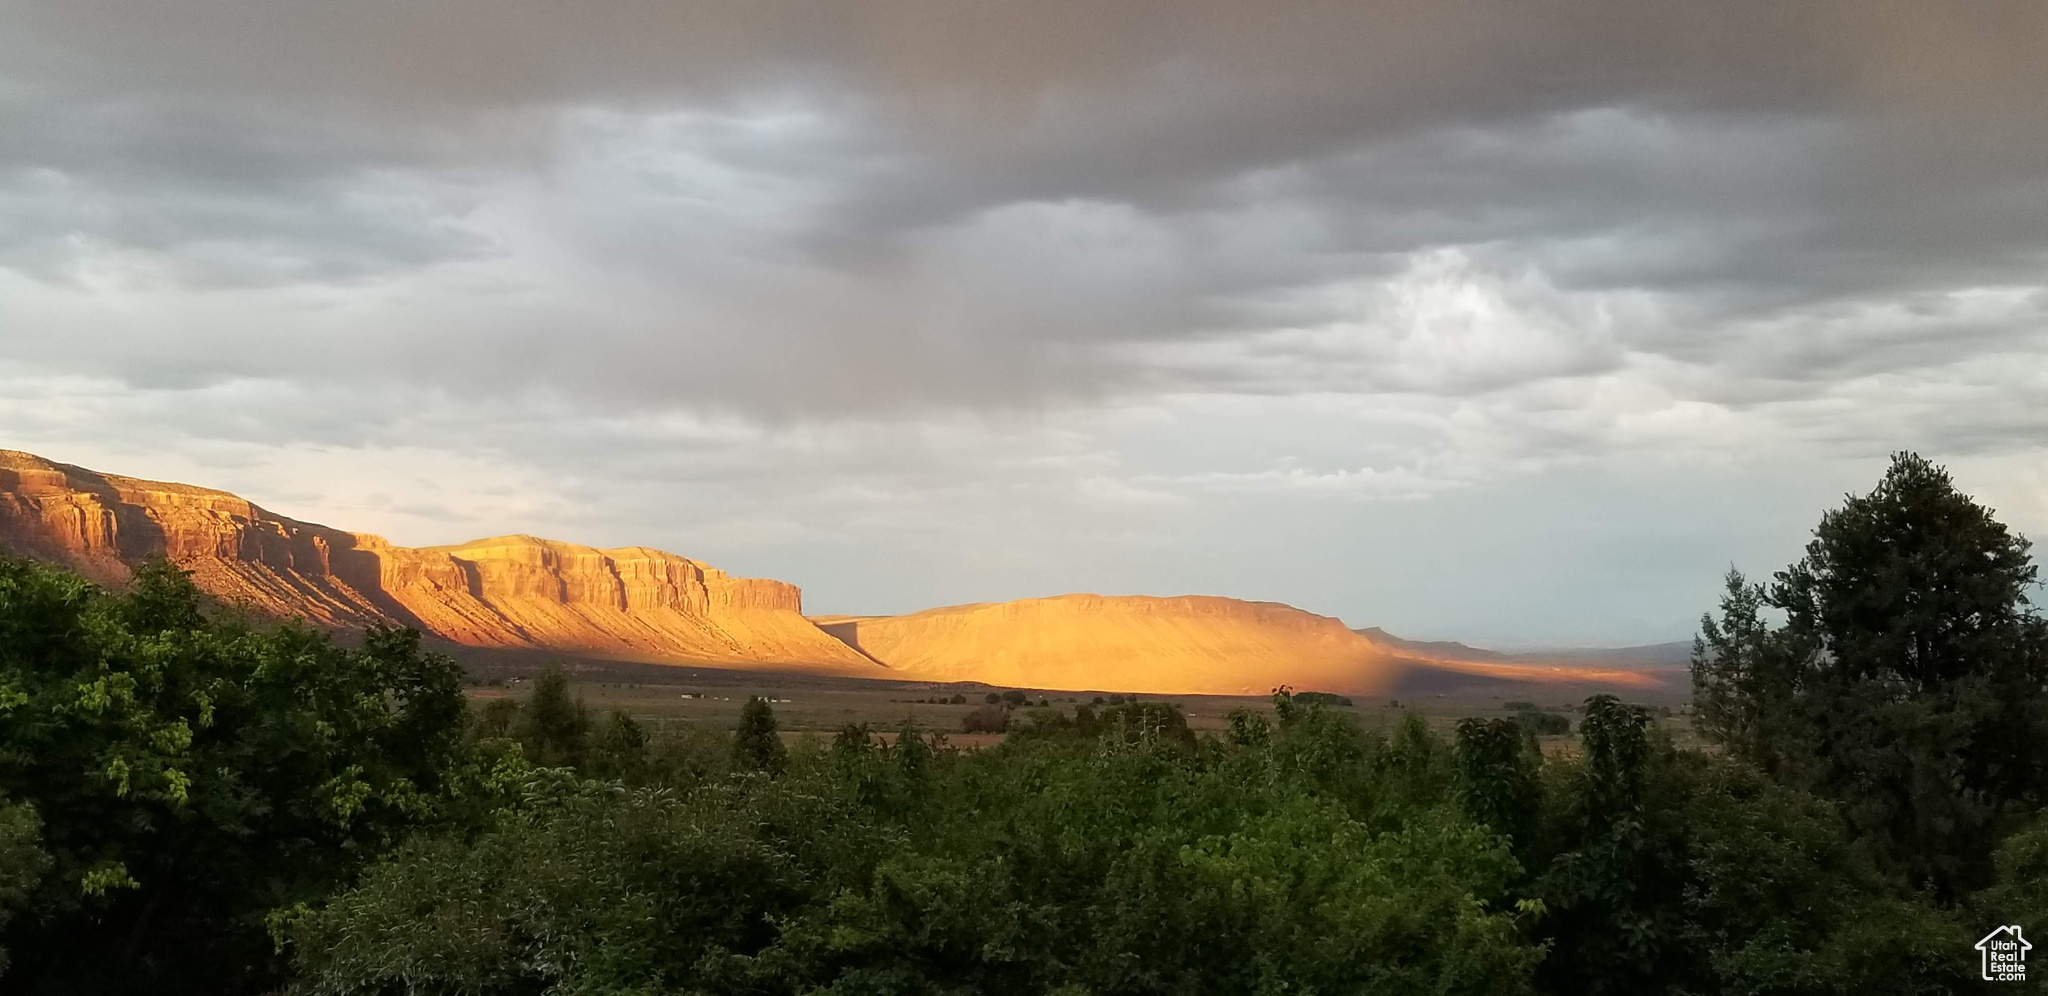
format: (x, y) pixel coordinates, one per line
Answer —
(1190, 645)
(521, 592)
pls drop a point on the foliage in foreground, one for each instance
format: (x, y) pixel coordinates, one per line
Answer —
(1097, 865)
(1908, 681)
(1309, 855)
(167, 779)
(191, 805)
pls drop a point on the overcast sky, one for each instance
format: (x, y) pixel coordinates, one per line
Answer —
(1508, 322)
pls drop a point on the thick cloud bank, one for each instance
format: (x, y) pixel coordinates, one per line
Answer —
(1509, 320)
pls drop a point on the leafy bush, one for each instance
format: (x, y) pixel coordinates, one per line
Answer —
(1104, 863)
(190, 774)
(1548, 724)
(986, 719)
(22, 861)
(1324, 698)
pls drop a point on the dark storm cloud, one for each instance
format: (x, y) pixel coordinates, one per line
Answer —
(224, 195)
(1142, 103)
(1432, 315)
(804, 210)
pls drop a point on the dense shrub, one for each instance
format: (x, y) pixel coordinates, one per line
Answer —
(167, 779)
(1548, 724)
(1118, 861)
(986, 719)
(1324, 698)
(1108, 854)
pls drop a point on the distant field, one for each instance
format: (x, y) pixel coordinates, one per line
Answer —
(808, 704)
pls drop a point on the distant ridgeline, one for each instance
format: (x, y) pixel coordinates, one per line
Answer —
(640, 604)
(510, 592)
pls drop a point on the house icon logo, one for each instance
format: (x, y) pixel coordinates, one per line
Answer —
(2005, 955)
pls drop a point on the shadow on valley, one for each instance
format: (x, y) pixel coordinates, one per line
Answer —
(190, 802)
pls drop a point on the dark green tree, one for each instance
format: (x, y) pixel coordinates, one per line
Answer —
(2020, 893)
(553, 725)
(1498, 769)
(1543, 723)
(1056, 864)
(1612, 894)
(1247, 728)
(1908, 681)
(986, 719)
(191, 775)
(1147, 723)
(1742, 674)
(854, 740)
(617, 749)
(22, 863)
(1915, 585)
(496, 718)
(755, 745)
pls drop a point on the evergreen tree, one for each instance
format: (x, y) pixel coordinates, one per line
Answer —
(1915, 585)
(553, 726)
(755, 745)
(618, 748)
(1909, 680)
(1740, 678)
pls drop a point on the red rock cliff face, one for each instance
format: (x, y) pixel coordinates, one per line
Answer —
(1191, 644)
(509, 591)
(1185, 645)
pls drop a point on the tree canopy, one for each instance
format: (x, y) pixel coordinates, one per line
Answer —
(1908, 679)
(178, 777)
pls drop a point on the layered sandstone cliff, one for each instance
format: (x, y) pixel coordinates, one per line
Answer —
(632, 603)
(1190, 645)
(1187, 645)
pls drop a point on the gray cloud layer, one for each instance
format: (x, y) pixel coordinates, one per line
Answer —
(1135, 272)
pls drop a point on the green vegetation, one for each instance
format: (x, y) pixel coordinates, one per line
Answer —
(188, 804)
(1324, 699)
(1905, 682)
(167, 780)
(755, 746)
(987, 719)
(1539, 722)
